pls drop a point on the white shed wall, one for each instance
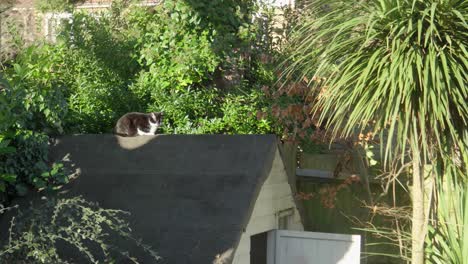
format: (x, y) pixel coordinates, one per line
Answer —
(275, 196)
(285, 246)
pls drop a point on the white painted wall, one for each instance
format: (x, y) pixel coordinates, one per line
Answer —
(285, 246)
(274, 197)
(52, 22)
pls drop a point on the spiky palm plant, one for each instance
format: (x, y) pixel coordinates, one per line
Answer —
(448, 228)
(398, 66)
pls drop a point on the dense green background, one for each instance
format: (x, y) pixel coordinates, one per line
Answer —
(197, 61)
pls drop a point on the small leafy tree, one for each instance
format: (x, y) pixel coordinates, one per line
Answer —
(397, 68)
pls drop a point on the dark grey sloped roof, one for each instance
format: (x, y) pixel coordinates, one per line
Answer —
(190, 196)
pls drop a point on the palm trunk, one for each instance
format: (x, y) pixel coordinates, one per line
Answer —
(417, 230)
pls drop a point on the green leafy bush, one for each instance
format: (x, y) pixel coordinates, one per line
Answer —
(240, 114)
(38, 234)
(98, 96)
(6, 177)
(36, 94)
(23, 152)
(175, 50)
(177, 64)
(27, 162)
(165, 58)
(23, 164)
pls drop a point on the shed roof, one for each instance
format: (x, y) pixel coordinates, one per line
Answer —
(190, 196)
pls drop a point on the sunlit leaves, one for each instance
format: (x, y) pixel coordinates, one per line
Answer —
(88, 230)
(388, 63)
(399, 69)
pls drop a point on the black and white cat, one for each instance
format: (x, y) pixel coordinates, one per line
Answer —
(137, 124)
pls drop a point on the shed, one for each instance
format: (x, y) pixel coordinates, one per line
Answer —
(193, 198)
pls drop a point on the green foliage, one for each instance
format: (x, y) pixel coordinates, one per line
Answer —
(29, 101)
(185, 109)
(28, 161)
(226, 19)
(382, 56)
(7, 118)
(57, 176)
(168, 58)
(56, 5)
(5, 177)
(23, 162)
(176, 60)
(129, 58)
(78, 86)
(240, 115)
(38, 98)
(23, 153)
(175, 50)
(108, 37)
(395, 66)
(448, 227)
(87, 229)
(97, 95)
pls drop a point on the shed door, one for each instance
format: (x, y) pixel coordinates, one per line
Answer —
(258, 248)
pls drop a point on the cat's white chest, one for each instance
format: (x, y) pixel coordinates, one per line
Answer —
(152, 131)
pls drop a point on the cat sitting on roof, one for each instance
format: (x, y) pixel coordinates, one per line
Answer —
(137, 124)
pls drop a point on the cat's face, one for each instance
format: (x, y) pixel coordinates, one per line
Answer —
(156, 118)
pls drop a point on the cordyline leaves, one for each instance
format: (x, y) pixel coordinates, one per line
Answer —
(448, 233)
(398, 65)
(397, 68)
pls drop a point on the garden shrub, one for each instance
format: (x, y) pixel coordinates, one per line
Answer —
(23, 152)
(108, 37)
(98, 96)
(28, 162)
(129, 58)
(28, 159)
(177, 64)
(163, 58)
(36, 93)
(239, 114)
(225, 19)
(38, 235)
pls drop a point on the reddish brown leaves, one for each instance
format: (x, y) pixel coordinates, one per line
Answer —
(328, 193)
